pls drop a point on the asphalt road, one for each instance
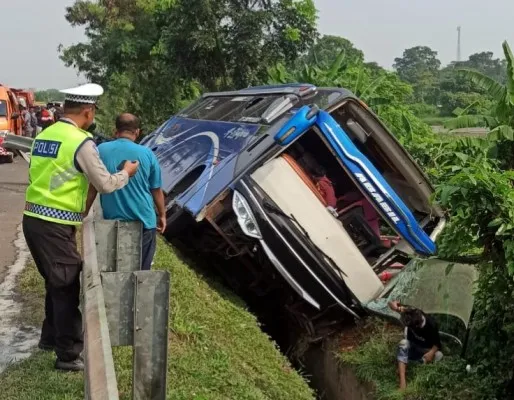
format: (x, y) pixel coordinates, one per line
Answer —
(13, 181)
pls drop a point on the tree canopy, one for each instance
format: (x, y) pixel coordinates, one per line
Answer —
(49, 95)
(420, 67)
(154, 55)
(325, 49)
(485, 63)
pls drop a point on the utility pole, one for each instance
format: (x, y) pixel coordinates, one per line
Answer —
(458, 45)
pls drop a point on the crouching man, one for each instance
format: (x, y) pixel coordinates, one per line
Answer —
(422, 342)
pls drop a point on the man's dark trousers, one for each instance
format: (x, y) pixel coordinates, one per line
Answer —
(54, 249)
(149, 244)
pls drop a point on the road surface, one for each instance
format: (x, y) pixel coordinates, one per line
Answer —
(13, 182)
(17, 341)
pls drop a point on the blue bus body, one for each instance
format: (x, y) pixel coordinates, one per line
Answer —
(209, 151)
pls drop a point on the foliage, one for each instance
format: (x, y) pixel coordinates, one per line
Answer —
(383, 91)
(485, 63)
(419, 66)
(324, 50)
(480, 198)
(216, 348)
(49, 95)
(447, 88)
(374, 361)
(153, 55)
(456, 103)
(500, 116)
(423, 109)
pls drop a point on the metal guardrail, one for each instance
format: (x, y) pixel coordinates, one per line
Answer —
(15, 142)
(99, 376)
(21, 145)
(123, 306)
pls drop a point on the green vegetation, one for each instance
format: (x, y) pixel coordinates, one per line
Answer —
(49, 95)
(419, 67)
(434, 121)
(31, 294)
(374, 360)
(499, 117)
(216, 348)
(448, 92)
(383, 91)
(154, 56)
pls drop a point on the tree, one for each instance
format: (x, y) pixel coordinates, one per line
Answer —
(383, 91)
(235, 41)
(328, 47)
(455, 103)
(419, 66)
(501, 117)
(485, 63)
(48, 95)
(456, 92)
(156, 54)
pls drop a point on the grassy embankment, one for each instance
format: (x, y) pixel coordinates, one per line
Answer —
(216, 349)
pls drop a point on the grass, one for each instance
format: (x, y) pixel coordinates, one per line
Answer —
(31, 293)
(374, 361)
(216, 348)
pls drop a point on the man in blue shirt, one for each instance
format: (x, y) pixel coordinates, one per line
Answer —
(136, 201)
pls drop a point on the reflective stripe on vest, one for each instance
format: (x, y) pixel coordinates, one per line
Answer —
(61, 215)
(57, 191)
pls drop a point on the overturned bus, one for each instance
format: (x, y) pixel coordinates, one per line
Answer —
(302, 191)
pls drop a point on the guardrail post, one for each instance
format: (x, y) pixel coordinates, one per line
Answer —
(137, 305)
(150, 334)
(99, 376)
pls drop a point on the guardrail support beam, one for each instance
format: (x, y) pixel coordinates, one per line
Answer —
(99, 375)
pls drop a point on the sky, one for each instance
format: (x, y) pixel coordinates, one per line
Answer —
(383, 29)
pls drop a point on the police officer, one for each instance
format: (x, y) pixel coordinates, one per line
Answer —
(63, 159)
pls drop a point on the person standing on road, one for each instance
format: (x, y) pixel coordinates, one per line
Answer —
(136, 201)
(63, 159)
(46, 118)
(33, 121)
(26, 118)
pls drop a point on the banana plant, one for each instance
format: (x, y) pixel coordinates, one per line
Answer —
(500, 120)
(340, 74)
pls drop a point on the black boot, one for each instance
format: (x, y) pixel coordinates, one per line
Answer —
(75, 365)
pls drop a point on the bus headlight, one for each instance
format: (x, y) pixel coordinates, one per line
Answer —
(245, 216)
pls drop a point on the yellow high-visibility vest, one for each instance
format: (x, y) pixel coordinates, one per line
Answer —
(57, 190)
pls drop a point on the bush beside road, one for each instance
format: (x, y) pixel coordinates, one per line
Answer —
(216, 348)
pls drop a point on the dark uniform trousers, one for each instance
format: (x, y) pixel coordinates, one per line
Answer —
(54, 249)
